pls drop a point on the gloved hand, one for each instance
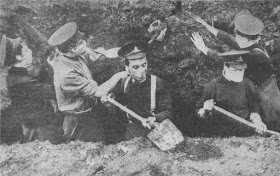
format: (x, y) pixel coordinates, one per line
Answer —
(260, 126)
(199, 43)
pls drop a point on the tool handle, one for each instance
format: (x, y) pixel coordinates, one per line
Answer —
(125, 109)
(250, 124)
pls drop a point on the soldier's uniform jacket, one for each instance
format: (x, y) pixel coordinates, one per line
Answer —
(74, 85)
(137, 97)
(260, 71)
(259, 68)
(30, 96)
(238, 98)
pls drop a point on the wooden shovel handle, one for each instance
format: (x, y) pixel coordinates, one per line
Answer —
(250, 124)
(125, 109)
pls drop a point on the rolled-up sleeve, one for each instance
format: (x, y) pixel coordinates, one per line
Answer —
(214, 55)
(94, 55)
(228, 39)
(75, 84)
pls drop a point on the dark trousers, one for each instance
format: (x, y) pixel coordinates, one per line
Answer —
(268, 95)
(87, 128)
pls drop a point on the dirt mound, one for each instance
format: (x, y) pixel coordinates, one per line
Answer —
(197, 156)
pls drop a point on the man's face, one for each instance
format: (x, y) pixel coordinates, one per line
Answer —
(138, 69)
(234, 74)
(72, 45)
(75, 45)
(25, 52)
(245, 42)
(25, 58)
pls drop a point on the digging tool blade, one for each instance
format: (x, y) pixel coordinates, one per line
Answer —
(165, 135)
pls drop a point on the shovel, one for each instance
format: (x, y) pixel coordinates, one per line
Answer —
(239, 119)
(165, 134)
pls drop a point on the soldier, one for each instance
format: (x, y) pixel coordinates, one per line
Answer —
(135, 91)
(260, 69)
(76, 91)
(232, 92)
(30, 94)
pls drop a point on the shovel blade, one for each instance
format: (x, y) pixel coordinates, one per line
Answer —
(166, 135)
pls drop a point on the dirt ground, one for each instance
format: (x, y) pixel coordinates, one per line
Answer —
(196, 156)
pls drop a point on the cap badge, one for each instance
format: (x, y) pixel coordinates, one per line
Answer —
(135, 50)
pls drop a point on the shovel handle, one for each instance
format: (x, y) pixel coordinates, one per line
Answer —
(250, 124)
(125, 109)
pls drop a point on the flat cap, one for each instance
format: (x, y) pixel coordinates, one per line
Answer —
(234, 59)
(248, 25)
(241, 12)
(135, 50)
(63, 34)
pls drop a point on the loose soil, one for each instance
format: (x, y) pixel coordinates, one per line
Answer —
(196, 156)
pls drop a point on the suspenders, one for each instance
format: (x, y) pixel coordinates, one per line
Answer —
(125, 83)
(153, 92)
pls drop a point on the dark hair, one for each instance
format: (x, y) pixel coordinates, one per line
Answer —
(11, 55)
(226, 64)
(18, 50)
(64, 48)
(126, 61)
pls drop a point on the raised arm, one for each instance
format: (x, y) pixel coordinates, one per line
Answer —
(200, 45)
(107, 86)
(210, 28)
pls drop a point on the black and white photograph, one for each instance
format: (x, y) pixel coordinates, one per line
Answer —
(139, 87)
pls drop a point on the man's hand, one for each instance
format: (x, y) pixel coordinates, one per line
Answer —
(104, 100)
(260, 126)
(208, 105)
(211, 29)
(150, 122)
(207, 108)
(199, 43)
(201, 21)
(201, 113)
(122, 74)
